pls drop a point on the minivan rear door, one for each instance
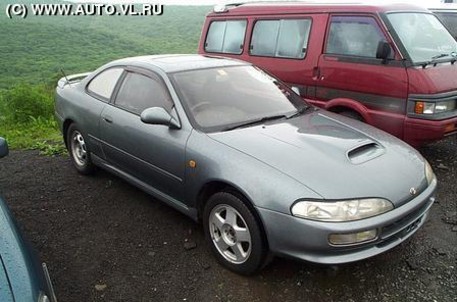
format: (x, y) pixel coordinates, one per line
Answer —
(288, 46)
(348, 69)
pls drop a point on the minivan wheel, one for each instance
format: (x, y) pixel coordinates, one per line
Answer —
(234, 234)
(79, 151)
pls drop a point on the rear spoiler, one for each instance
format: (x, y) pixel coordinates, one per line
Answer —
(72, 79)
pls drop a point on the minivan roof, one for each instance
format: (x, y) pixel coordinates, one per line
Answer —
(265, 8)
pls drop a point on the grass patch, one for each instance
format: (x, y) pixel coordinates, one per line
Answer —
(27, 119)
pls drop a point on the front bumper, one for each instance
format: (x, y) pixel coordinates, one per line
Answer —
(308, 240)
(419, 131)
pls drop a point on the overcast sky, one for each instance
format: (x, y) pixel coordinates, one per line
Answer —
(212, 2)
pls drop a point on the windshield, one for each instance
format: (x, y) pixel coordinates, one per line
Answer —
(423, 35)
(226, 97)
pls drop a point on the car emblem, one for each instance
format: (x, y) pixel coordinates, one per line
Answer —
(413, 191)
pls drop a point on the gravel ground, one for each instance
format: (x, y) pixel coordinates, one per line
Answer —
(105, 240)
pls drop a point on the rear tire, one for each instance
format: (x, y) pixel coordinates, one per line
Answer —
(234, 234)
(79, 152)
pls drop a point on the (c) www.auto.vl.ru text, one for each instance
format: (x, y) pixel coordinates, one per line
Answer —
(82, 9)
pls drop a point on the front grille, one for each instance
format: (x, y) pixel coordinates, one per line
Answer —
(406, 224)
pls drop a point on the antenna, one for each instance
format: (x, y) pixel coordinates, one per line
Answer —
(64, 75)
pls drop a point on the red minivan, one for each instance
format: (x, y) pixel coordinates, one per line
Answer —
(390, 65)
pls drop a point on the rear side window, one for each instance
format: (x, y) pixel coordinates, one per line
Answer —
(286, 38)
(103, 84)
(139, 92)
(226, 36)
(450, 20)
(354, 36)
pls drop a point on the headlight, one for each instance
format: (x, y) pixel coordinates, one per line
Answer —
(434, 107)
(43, 298)
(429, 175)
(338, 211)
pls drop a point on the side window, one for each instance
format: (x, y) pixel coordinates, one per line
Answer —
(103, 84)
(354, 36)
(226, 36)
(449, 20)
(139, 92)
(286, 38)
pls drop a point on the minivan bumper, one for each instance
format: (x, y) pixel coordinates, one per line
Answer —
(308, 240)
(420, 131)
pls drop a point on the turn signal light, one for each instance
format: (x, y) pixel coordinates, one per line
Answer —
(419, 108)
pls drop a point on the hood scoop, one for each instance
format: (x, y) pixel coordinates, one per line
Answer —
(365, 152)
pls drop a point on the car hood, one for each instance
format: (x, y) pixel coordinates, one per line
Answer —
(5, 288)
(16, 265)
(336, 157)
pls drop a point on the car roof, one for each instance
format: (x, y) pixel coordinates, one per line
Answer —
(176, 63)
(261, 8)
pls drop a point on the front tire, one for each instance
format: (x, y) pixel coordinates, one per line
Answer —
(234, 234)
(79, 151)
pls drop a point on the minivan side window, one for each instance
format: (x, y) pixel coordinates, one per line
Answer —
(285, 38)
(103, 84)
(354, 36)
(226, 36)
(139, 92)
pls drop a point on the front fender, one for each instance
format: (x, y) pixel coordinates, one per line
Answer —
(260, 183)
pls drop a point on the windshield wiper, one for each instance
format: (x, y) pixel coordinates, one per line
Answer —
(256, 121)
(442, 55)
(299, 111)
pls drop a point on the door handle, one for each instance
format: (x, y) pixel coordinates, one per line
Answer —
(316, 73)
(108, 119)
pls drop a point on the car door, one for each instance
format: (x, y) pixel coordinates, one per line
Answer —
(348, 68)
(152, 154)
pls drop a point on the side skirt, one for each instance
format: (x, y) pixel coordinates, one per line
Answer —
(172, 202)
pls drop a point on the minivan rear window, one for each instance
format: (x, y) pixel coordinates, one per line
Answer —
(285, 38)
(226, 36)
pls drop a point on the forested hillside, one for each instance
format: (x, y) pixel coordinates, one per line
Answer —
(33, 50)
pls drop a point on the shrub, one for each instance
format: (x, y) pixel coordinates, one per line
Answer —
(23, 103)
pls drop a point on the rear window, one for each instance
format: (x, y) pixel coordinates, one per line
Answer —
(286, 38)
(103, 84)
(226, 36)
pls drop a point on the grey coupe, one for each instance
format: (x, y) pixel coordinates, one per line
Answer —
(229, 145)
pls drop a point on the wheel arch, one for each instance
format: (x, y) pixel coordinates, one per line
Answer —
(214, 186)
(342, 104)
(66, 125)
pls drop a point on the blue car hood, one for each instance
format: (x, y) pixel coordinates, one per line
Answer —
(5, 287)
(16, 266)
(336, 157)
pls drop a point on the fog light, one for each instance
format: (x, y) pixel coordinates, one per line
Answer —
(352, 238)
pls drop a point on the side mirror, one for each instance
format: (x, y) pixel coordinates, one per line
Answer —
(383, 51)
(3, 147)
(159, 116)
